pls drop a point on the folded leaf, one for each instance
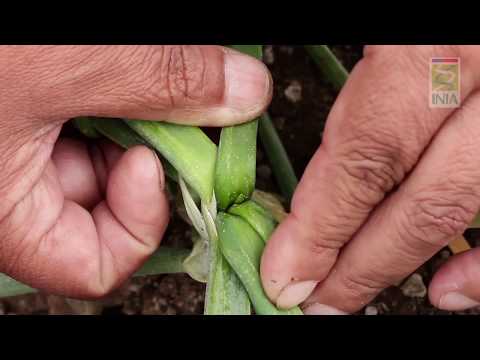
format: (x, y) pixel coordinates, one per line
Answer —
(187, 148)
(256, 216)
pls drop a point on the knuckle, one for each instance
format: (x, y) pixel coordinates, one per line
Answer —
(432, 220)
(196, 74)
(371, 165)
(184, 75)
(179, 75)
(370, 150)
(374, 170)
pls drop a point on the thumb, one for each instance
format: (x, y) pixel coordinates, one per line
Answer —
(191, 84)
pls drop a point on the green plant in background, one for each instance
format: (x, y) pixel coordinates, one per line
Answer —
(232, 220)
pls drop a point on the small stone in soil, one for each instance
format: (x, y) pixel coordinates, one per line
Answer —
(371, 310)
(294, 91)
(268, 56)
(414, 287)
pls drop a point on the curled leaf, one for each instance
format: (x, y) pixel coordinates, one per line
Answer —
(192, 210)
(209, 222)
(258, 218)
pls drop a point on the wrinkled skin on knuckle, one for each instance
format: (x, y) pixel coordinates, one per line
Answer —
(370, 146)
(433, 218)
(180, 76)
(192, 77)
(371, 166)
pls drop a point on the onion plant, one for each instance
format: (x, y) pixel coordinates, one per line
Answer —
(231, 220)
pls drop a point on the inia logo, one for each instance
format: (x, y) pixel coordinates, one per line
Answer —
(445, 82)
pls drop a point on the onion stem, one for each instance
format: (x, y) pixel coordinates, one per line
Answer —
(329, 64)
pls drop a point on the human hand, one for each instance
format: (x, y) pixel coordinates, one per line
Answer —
(393, 182)
(77, 221)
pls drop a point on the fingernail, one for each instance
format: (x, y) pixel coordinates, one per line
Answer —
(321, 309)
(248, 83)
(295, 293)
(161, 173)
(454, 301)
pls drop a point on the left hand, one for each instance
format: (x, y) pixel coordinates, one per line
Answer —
(78, 221)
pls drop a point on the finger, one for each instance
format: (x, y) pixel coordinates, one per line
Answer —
(131, 176)
(77, 174)
(56, 245)
(104, 154)
(456, 285)
(431, 208)
(83, 170)
(198, 85)
(374, 135)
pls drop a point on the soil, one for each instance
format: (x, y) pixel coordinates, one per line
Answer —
(302, 100)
